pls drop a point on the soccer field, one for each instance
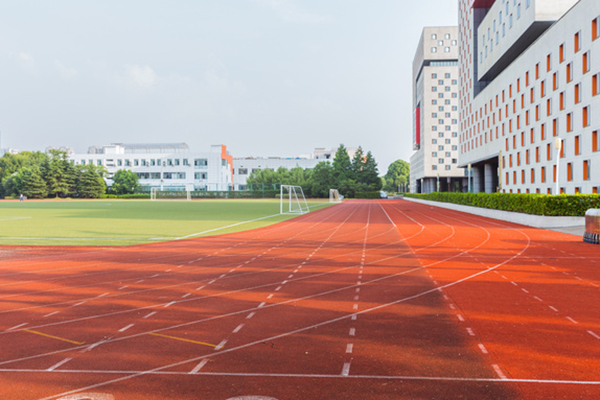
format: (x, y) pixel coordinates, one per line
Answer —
(125, 222)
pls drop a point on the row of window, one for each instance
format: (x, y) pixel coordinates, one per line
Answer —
(447, 167)
(170, 175)
(198, 162)
(521, 178)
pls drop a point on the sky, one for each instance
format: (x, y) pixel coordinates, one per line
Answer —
(264, 77)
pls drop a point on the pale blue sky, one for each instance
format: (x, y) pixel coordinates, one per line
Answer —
(264, 77)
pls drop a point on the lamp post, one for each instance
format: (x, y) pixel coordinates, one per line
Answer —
(438, 182)
(469, 179)
(558, 147)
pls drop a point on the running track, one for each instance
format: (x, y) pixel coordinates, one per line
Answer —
(363, 300)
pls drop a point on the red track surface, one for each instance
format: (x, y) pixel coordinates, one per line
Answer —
(365, 300)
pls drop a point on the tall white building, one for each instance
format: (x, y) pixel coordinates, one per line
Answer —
(435, 105)
(169, 166)
(529, 95)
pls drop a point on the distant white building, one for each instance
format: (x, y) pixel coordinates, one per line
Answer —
(169, 166)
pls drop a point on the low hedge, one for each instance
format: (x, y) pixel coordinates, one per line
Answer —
(537, 204)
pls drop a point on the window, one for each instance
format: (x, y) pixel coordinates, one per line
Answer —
(434, 49)
(440, 42)
(561, 53)
(595, 85)
(586, 170)
(548, 62)
(454, 43)
(200, 163)
(434, 88)
(595, 27)
(241, 171)
(446, 49)
(569, 72)
(433, 36)
(585, 116)
(119, 163)
(576, 147)
(569, 172)
(576, 42)
(562, 101)
(448, 167)
(433, 76)
(555, 81)
(204, 175)
(543, 175)
(569, 122)
(176, 161)
(577, 96)
(447, 36)
(595, 142)
(586, 62)
(434, 154)
(186, 161)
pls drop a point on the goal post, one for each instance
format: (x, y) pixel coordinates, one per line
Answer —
(158, 194)
(292, 200)
(334, 196)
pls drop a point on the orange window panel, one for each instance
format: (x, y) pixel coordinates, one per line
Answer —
(537, 154)
(586, 62)
(561, 52)
(548, 152)
(577, 151)
(577, 96)
(555, 81)
(543, 175)
(569, 171)
(518, 159)
(595, 29)
(532, 175)
(595, 85)
(548, 63)
(527, 157)
(522, 176)
(554, 173)
(569, 72)
(595, 141)
(595, 190)
(569, 122)
(527, 78)
(537, 71)
(555, 127)
(543, 131)
(562, 100)
(576, 42)
(586, 116)
(586, 171)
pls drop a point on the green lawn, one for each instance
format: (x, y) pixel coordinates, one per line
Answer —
(126, 222)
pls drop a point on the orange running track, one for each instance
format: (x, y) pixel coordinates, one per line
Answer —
(363, 300)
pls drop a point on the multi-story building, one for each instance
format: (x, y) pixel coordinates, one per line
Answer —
(243, 167)
(434, 165)
(529, 95)
(170, 166)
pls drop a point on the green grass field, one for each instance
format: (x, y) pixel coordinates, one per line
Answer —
(127, 222)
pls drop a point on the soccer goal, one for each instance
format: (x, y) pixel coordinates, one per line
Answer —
(334, 196)
(158, 194)
(292, 200)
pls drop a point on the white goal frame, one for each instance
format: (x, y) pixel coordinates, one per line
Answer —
(155, 194)
(334, 196)
(294, 197)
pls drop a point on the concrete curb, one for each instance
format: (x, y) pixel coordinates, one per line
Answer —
(537, 221)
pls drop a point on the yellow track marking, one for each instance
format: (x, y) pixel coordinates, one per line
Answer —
(53, 337)
(183, 340)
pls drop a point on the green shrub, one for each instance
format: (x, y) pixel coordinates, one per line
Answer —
(536, 204)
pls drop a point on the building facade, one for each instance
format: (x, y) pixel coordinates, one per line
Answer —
(434, 165)
(169, 166)
(529, 95)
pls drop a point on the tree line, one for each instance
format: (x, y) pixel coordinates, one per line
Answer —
(350, 176)
(38, 175)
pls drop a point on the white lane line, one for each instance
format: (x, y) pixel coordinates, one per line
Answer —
(352, 332)
(537, 298)
(525, 290)
(346, 369)
(154, 276)
(435, 282)
(270, 296)
(452, 306)
(186, 295)
(349, 348)
(261, 304)
(553, 309)
(250, 315)
(470, 332)
(199, 366)
(201, 287)
(52, 313)
(460, 317)
(579, 279)
(355, 307)
(221, 345)
(78, 304)
(284, 282)
(140, 281)
(149, 315)
(238, 328)
(278, 288)
(354, 317)
(594, 335)
(482, 348)
(357, 290)
(123, 287)
(358, 282)
(211, 282)
(17, 327)
(222, 276)
(102, 295)
(291, 276)
(514, 283)
(572, 320)
(169, 304)
(499, 371)
(58, 364)
(356, 298)
(126, 327)
(503, 277)
(169, 270)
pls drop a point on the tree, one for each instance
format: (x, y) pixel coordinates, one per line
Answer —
(370, 174)
(342, 167)
(398, 174)
(57, 174)
(31, 183)
(322, 180)
(90, 183)
(125, 182)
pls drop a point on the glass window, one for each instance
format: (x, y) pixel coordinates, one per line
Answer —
(433, 36)
(447, 36)
(434, 49)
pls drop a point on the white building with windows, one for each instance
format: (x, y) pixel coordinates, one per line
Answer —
(530, 95)
(169, 166)
(434, 165)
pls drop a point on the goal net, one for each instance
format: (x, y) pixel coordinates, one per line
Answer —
(292, 200)
(334, 196)
(158, 194)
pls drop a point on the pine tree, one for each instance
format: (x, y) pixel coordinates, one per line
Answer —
(342, 167)
(90, 183)
(370, 175)
(31, 183)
